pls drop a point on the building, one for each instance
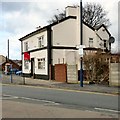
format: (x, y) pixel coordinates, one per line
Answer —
(57, 44)
(2, 59)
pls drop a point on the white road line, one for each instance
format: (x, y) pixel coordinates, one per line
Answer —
(46, 101)
(33, 99)
(9, 97)
(109, 110)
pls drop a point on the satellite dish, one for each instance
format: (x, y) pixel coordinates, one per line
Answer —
(111, 39)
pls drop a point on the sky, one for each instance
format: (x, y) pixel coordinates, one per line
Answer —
(20, 17)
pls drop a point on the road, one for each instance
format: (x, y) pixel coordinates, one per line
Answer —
(64, 97)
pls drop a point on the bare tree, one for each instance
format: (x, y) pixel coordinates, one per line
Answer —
(96, 68)
(57, 17)
(93, 14)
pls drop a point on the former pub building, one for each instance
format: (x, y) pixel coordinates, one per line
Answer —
(57, 44)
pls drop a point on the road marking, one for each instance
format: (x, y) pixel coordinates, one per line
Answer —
(6, 97)
(108, 110)
(65, 89)
(33, 99)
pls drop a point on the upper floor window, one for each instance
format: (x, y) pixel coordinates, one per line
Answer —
(90, 42)
(41, 63)
(41, 41)
(26, 46)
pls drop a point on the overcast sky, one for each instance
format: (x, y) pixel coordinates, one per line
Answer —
(20, 17)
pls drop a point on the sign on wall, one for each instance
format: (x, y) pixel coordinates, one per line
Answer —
(81, 50)
(26, 56)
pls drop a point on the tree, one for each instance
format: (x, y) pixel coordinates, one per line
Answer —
(96, 68)
(93, 14)
(57, 17)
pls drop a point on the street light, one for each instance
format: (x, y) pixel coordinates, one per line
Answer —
(81, 43)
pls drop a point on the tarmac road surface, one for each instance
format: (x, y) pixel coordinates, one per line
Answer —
(65, 97)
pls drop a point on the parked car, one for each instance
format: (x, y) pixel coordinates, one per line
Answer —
(14, 70)
(11, 71)
(18, 73)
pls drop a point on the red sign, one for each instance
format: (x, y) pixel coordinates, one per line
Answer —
(26, 56)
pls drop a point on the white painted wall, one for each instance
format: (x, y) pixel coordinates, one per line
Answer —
(38, 55)
(75, 11)
(88, 33)
(33, 41)
(64, 33)
(62, 56)
(104, 35)
(58, 56)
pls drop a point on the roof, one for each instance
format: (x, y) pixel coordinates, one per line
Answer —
(55, 23)
(33, 33)
(89, 26)
(46, 27)
(104, 27)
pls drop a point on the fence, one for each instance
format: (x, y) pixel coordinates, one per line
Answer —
(72, 74)
(114, 74)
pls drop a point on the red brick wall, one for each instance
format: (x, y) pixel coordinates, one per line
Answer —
(61, 72)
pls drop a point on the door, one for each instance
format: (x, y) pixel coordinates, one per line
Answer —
(61, 72)
(32, 66)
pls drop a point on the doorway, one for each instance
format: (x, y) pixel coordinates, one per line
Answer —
(32, 67)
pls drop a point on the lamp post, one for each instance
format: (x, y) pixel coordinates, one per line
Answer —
(8, 50)
(81, 43)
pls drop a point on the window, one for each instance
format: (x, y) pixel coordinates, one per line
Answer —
(90, 42)
(26, 46)
(105, 43)
(26, 64)
(41, 41)
(41, 63)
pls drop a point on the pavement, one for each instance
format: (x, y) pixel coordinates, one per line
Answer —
(6, 79)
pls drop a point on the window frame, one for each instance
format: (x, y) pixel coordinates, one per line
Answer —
(90, 42)
(41, 63)
(26, 46)
(26, 64)
(105, 43)
(41, 41)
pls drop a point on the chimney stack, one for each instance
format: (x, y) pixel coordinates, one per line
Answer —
(72, 11)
